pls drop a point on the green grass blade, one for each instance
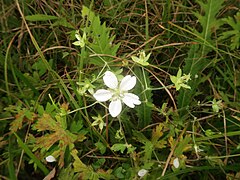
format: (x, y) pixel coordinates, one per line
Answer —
(53, 73)
(25, 80)
(144, 112)
(11, 168)
(31, 155)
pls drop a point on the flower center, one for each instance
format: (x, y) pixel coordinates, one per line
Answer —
(117, 94)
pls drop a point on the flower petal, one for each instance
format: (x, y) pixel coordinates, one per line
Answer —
(102, 95)
(77, 35)
(110, 80)
(50, 158)
(115, 107)
(142, 172)
(128, 83)
(131, 100)
(176, 163)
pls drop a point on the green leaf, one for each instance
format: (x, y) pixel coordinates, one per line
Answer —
(40, 17)
(234, 34)
(62, 22)
(196, 62)
(119, 147)
(182, 146)
(157, 133)
(119, 172)
(76, 126)
(148, 149)
(85, 171)
(101, 147)
(209, 23)
(102, 42)
(144, 112)
(140, 137)
(68, 173)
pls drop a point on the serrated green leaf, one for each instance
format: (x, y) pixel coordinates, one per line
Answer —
(102, 42)
(208, 21)
(234, 34)
(76, 126)
(40, 17)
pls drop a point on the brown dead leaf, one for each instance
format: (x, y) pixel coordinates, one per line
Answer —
(50, 175)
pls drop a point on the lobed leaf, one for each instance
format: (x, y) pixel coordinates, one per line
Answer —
(233, 34)
(102, 42)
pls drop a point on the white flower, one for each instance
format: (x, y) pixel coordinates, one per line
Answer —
(50, 159)
(142, 172)
(176, 163)
(117, 93)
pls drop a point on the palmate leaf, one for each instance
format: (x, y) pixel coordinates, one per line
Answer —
(24, 115)
(156, 141)
(233, 34)
(101, 41)
(86, 172)
(196, 62)
(57, 135)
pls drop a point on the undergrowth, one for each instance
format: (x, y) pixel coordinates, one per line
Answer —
(120, 89)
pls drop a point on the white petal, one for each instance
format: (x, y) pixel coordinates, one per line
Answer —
(142, 172)
(176, 163)
(115, 107)
(110, 80)
(50, 159)
(102, 95)
(131, 100)
(128, 83)
(77, 35)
